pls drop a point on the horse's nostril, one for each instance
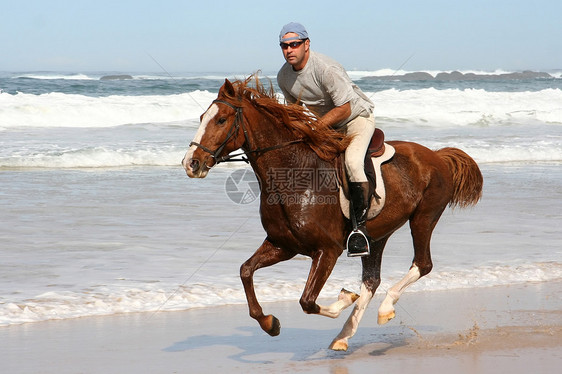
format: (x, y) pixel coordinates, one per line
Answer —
(194, 165)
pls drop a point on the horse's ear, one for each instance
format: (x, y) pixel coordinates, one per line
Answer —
(228, 88)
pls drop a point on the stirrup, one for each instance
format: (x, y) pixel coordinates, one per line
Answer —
(358, 244)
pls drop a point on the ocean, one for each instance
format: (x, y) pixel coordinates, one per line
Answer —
(98, 216)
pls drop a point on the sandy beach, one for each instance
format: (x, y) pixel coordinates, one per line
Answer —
(513, 329)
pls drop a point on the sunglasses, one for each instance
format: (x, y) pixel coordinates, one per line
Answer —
(291, 44)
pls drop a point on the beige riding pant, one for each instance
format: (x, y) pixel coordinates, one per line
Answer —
(361, 130)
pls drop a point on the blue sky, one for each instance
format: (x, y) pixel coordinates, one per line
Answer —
(242, 36)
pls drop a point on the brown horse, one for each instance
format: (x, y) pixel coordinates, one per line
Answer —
(293, 157)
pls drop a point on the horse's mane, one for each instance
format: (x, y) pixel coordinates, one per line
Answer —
(326, 142)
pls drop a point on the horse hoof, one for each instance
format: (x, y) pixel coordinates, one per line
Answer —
(384, 318)
(271, 325)
(339, 345)
(345, 293)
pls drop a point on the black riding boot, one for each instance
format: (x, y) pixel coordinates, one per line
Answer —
(358, 240)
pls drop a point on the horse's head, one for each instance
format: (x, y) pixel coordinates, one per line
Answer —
(219, 133)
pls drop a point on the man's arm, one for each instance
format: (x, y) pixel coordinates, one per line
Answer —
(336, 115)
(288, 98)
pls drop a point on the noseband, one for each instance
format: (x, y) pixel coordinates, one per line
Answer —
(233, 131)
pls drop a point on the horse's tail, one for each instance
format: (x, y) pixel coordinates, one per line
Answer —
(467, 178)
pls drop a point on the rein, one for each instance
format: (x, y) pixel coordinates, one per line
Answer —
(238, 122)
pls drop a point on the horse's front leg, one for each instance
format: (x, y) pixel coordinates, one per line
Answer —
(266, 255)
(323, 263)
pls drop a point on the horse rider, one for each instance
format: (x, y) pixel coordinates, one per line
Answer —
(323, 86)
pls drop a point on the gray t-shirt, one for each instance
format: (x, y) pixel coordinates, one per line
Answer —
(323, 85)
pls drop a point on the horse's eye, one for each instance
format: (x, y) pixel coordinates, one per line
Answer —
(221, 121)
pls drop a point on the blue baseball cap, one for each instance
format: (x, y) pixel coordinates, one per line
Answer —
(293, 27)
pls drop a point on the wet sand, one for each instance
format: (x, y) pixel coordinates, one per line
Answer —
(511, 329)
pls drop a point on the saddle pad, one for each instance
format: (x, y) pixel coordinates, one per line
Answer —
(376, 206)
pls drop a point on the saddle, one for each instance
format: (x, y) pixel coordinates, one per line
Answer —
(376, 147)
(378, 153)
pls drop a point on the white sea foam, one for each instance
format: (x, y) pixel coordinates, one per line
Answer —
(71, 110)
(107, 300)
(455, 107)
(96, 157)
(445, 108)
(102, 157)
(490, 126)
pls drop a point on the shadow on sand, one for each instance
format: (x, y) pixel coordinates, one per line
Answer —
(300, 344)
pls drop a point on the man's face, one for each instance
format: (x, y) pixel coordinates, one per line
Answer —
(295, 51)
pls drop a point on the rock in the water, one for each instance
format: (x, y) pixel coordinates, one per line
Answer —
(115, 77)
(458, 76)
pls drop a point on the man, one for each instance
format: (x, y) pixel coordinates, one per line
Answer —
(323, 85)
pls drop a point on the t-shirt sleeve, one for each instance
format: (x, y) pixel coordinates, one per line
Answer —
(338, 86)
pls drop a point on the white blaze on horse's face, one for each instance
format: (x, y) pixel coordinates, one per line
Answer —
(193, 167)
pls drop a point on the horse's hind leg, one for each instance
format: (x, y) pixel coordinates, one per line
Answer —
(266, 255)
(421, 226)
(370, 282)
(345, 299)
(386, 310)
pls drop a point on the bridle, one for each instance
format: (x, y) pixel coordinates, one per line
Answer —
(233, 132)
